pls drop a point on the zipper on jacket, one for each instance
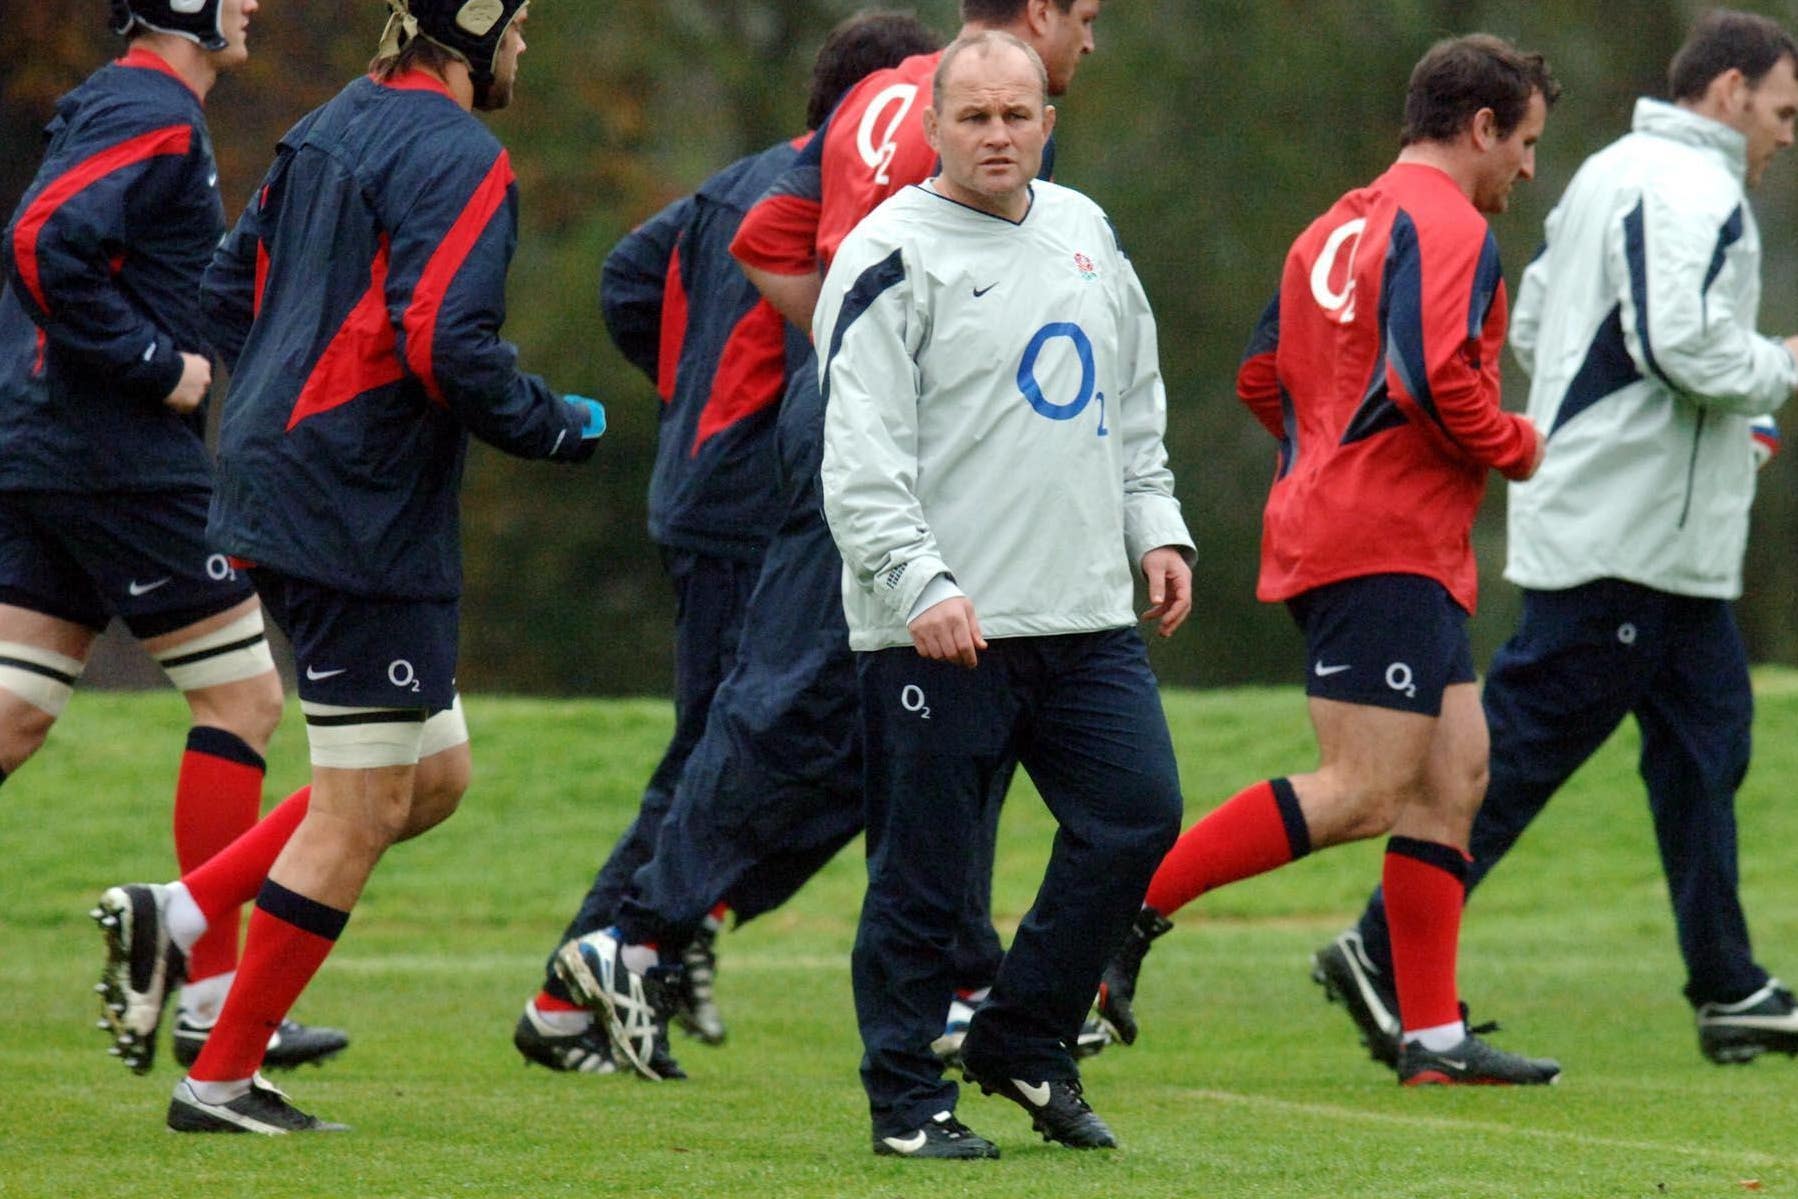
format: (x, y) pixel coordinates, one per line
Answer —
(1692, 468)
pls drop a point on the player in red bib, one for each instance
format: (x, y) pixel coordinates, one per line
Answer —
(1376, 368)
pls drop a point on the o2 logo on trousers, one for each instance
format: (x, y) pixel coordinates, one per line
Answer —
(1089, 375)
(401, 675)
(911, 698)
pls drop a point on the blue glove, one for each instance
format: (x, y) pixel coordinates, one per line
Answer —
(596, 416)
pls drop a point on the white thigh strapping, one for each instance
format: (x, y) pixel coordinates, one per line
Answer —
(42, 678)
(362, 738)
(235, 652)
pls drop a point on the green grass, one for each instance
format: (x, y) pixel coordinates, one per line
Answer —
(1244, 1083)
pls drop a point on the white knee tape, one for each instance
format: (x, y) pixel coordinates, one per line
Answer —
(362, 738)
(445, 730)
(226, 655)
(42, 678)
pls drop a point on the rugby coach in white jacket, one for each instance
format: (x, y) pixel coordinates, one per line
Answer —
(1636, 323)
(993, 472)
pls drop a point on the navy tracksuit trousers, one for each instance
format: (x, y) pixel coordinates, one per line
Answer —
(1083, 715)
(711, 595)
(769, 787)
(1581, 660)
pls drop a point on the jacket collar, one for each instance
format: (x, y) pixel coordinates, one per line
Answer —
(1657, 118)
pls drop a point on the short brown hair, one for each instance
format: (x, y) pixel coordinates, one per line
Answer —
(860, 45)
(1724, 39)
(985, 42)
(999, 12)
(1459, 76)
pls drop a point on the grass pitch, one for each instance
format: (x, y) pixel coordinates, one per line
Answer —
(1244, 1082)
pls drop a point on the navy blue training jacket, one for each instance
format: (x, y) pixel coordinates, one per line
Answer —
(103, 259)
(359, 302)
(681, 309)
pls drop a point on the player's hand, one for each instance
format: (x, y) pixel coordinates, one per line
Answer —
(1170, 588)
(1536, 454)
(594, 415)
(949, 632)
(196, 377)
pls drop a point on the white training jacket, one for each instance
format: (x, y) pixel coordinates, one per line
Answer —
(994, 413)
(1636, 323)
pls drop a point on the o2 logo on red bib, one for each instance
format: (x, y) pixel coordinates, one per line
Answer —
(1338, 298)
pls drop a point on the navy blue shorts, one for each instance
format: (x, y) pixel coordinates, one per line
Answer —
(358, 651)
(1389, 641)
(86, 557)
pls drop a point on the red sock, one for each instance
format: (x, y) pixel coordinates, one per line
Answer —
(217, 797)
(290, 937)
(1426, 885)
(233, 876)
(1256, 830)
(545, 1002)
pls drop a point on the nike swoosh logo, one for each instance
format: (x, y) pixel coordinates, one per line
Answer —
(137, 588)
(1036, 1093)
(316, 676)
(981, 291)
(212, 179)
(1324, 672)
(910, 1144)
(1453, 1064)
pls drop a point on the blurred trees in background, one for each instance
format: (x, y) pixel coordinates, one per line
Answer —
(1212, 130)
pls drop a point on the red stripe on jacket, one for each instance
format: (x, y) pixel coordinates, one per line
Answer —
(172, 139)
(261, 262)
(752, 373)
(673, 336)
(362, 355)
(440, 271)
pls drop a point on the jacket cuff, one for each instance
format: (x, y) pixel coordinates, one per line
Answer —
(941, 588)
(1151, 524)
(155, 375)
(900, 586)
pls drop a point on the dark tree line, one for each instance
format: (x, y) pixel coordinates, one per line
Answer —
(1212, 131)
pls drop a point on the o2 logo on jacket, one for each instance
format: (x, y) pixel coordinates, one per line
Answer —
(879, 155)
(1089, 374)
(1339, 304)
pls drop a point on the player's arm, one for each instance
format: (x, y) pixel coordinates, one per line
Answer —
(231, 290)
(1257, 378)
(866, 332)
(1155, 534)
(1446, 343)
(635, 284)
(1680, 262)
(73, 227)
(1526, 313)
(446, 288)
(777, 242)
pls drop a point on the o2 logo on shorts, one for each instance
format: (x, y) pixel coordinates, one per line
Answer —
(1089, 375)
(401, 675)
(220, 570)
(1626, 633)
(1400, 679)
(911, 698)
(879, 155)
(1339, 304)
